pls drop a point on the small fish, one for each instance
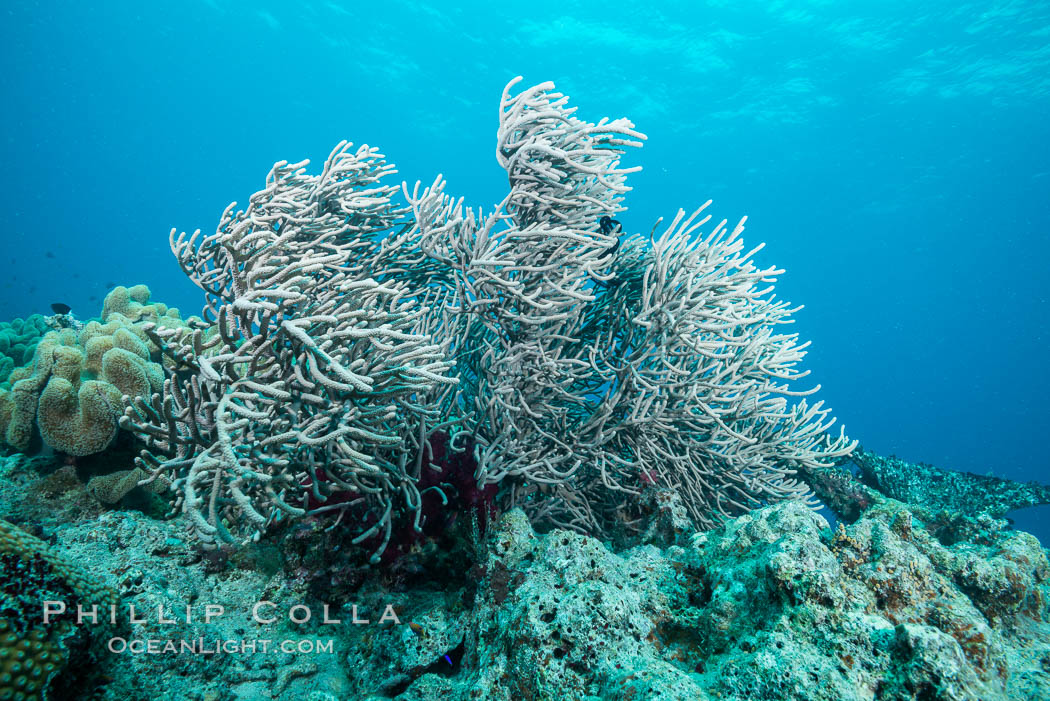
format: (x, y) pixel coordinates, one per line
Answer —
(59, 308)
(449, 660)
(610, 227)
(49, 254)
(416, 628)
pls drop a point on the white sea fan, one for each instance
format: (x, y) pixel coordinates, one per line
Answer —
(585, 369)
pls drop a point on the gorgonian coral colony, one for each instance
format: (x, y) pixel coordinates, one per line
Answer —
(343, 331)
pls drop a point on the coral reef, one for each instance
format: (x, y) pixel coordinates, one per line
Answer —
(938, 489)
(772, 605)
(18, 339)
(71, 393)
(148, 564)
(38, 660)
(111, 488)
(346, 332)
(569, 466)
(954, 506)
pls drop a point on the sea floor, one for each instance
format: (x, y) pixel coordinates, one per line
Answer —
(773, 605)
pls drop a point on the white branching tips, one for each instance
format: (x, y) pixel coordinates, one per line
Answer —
(597, 368)
(344, 330)
(562, 170)
(312, 388)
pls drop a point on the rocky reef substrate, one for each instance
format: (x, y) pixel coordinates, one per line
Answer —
(773, 605)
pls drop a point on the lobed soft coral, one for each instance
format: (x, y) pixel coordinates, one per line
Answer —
(18, 339)
(71, 393)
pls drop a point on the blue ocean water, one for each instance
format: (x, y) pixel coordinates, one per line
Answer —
(894, 156)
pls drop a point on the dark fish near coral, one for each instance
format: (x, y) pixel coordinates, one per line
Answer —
(610, 227)
(59, 308)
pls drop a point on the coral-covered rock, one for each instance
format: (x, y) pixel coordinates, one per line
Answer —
(936, 489)
(147, 562)
(39, 660)
(889, 602)
(773, 605)
(112, 487)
